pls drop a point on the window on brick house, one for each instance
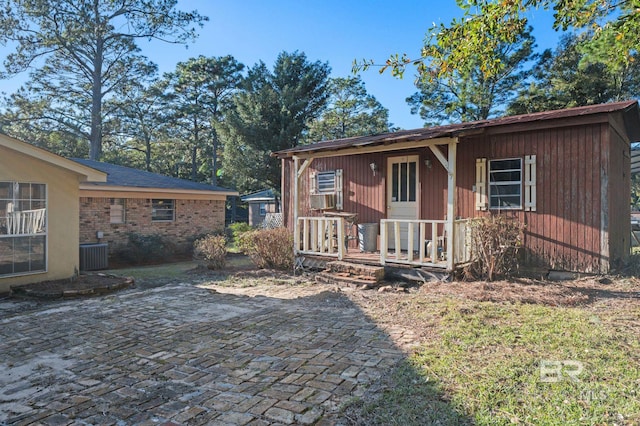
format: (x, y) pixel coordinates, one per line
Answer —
(117, 210)
(162, 210)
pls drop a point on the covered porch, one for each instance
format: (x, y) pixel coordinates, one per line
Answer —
(320, 237)
(408, 234)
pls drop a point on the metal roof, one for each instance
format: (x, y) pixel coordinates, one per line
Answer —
(462, 129)
(264, 195)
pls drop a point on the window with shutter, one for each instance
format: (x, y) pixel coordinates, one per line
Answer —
(505, 184)
(327, 183)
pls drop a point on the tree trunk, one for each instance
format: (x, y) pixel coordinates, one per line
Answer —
(194, 151)
(194, 163)
(214, 161)
(147, 153)
(95, 138)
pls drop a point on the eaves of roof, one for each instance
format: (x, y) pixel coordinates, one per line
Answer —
(630, 108)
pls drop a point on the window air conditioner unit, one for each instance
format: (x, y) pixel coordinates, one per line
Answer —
(322, 201)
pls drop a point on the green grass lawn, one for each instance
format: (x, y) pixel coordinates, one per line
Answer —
(500, 363)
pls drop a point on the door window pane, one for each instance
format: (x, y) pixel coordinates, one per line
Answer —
(403, 182)
(412, 181)
(394, 182)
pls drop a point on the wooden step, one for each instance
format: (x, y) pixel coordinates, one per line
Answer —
(356, 270)
(340, 279)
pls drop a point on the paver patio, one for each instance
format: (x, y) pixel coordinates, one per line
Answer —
(180, 354)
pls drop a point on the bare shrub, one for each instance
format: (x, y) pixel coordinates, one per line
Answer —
(268, 248)
(495, 241)
(211, 250)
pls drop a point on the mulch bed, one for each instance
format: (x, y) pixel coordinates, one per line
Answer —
(83, 285)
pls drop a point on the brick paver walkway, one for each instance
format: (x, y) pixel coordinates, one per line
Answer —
(179, 354)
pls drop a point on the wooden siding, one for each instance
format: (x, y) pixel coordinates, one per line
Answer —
(582, 205)
(565, 231)
(619, 200)
(364, 193)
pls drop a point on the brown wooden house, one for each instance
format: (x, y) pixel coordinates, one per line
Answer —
(565, 174)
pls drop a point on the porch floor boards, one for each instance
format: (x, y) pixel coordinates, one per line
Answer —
(373, 258)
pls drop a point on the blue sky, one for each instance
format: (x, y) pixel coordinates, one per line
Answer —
(334, 31)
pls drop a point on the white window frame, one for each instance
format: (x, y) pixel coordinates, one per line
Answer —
(326, 182)
(263, 209)
(495, 185)
(154, 207)
(15, 203)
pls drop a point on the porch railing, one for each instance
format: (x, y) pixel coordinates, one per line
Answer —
(321, 236)
(423, 242)
(462, 244)
(410, 243)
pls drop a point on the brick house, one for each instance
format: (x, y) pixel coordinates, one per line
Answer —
(134, 201)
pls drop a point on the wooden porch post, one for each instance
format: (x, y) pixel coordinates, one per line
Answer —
(451, 203)
(297, 174)
(296, 206)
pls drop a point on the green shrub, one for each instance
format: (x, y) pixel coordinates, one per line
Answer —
(245, 242)
(235, 230)
(211, 250)
(495, 242)
(269, 248)
(148, 248)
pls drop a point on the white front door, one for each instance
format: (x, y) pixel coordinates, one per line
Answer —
(403, 194)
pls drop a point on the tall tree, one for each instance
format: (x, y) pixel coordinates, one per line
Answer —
(563, 79)
(271, 113)
(614, 26)
(351, 112)
(468, 94)
(198, 92)
(141, 122)
(20, 122)
(87, 49)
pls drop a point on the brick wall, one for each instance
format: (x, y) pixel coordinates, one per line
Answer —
(192, 218)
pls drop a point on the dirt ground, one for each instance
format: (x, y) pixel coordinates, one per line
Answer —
(391, 307)
(387, 306)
